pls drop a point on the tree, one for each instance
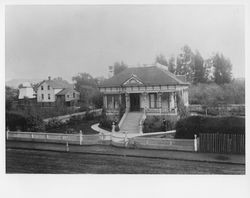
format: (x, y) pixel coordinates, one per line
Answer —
(171, 65)
(199, 69)
(11, 95)
(161, 59)
(185, 63)
(119, 67)
(223, 69)
(87, 86)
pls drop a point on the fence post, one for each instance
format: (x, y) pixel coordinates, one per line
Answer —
(195, 142)
(80, 137)
(7, 133)
(125, 139)
(32, 136)
(67, 146)
(113, 127)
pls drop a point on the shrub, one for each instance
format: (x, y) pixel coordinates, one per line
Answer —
(54, 123)
(105, 124)
(186, 128)
(155, 124)
(89, 115)
(19, 121)
(16, 121)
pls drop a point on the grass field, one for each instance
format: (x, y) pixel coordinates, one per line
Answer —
(32, 161)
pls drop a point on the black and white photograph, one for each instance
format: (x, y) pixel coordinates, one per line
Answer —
(131, 99)
(125, 89)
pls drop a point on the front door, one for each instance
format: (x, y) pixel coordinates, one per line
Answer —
(134, 102)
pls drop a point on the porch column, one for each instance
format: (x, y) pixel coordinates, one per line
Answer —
(105, 101)
(127, 100)
(175, 102)
(144, 95)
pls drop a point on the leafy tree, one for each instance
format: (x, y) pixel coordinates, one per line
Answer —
(161, 59)
(119, 67)
(171, 65)
(87, 86)
(223, 69)
(185, 63)
(199, 69)
(11, 95)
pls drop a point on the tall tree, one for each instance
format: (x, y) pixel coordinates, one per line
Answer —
(161, 59)
(199, 69)
(86, 85)
(185, 63)
(172, 65)
(119, 67)
(222, 69)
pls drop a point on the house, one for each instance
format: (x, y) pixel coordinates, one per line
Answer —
(152, 89)
(56, 92)
(26, 91)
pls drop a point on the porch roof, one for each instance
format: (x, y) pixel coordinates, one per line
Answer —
(148, 76)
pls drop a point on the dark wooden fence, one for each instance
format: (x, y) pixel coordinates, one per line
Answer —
(222, 143)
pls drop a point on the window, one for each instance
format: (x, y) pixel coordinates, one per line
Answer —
(48, 96)
(67, 96)
(152, 100)
(41, 87)
(74, 95)
(113, 101)
(48, 87)
(42, 97)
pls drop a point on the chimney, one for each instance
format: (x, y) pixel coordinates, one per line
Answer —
(110, 71)
(49, 78)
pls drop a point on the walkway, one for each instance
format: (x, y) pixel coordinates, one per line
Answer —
(131, 122)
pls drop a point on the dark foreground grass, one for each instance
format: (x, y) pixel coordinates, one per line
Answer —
(31, 161)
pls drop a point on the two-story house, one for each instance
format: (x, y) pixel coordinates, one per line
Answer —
(56, 92)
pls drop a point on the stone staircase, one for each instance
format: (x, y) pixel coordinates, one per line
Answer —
(131, 122)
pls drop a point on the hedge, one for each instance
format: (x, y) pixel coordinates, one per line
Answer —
(186, 128)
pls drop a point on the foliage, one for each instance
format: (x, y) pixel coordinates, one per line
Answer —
(223, 69)
(54, 124)
(186, 128)
(185, 63)
(182, 109)
(97, 99)
(86, 85)
(161, 59)
(11, 95)
(171, 65)
(106, 124)
(119, 67)
(199, 69)
(156, 124)
(19, 121)
(213, 94)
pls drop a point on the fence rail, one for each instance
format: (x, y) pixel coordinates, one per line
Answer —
(222, 143)
(97, 139)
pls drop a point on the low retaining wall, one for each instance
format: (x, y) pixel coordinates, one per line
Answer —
(64, 118)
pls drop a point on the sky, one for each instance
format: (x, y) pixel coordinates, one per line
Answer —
(47, 40)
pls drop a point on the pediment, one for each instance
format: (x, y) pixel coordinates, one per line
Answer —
(133, 80)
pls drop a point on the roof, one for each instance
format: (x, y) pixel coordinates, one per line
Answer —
(65, 91)
(57, 84)
(152, 75)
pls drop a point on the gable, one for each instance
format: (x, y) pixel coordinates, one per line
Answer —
(133, 80)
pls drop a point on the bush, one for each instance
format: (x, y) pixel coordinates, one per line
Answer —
(54, 124)
(186, 128)
(155, 124)
(16, 121)
(19, 121)
(105, 124)
(89, 115)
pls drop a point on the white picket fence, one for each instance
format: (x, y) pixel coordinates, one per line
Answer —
(110, 139)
